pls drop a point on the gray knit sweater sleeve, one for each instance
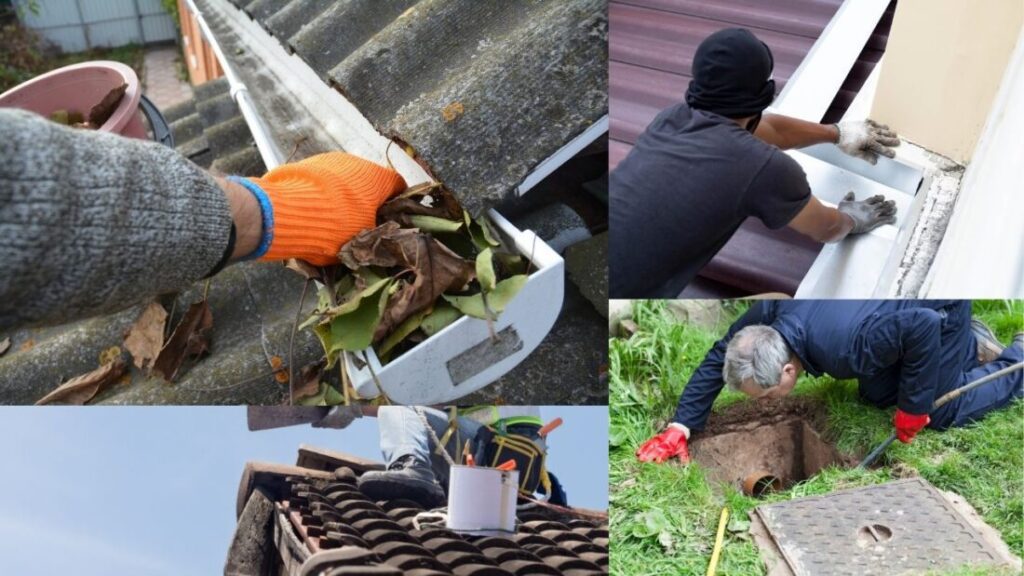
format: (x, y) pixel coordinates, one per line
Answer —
(92, 222)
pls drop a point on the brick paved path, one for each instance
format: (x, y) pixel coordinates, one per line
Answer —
(161, 83)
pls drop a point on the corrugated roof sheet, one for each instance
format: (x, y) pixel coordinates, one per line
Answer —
(483, 91)
(322, 508)
(652, 43)
(253, 304)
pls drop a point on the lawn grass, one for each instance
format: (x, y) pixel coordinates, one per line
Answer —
(664, 517)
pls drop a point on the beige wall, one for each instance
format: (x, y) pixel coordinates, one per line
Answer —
(942, 67)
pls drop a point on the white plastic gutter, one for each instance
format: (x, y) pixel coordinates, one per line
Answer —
(272, 156)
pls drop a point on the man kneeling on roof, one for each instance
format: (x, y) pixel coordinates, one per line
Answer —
(418, 457)
(901, 352)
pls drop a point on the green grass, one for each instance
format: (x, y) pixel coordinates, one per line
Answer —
(664, 517)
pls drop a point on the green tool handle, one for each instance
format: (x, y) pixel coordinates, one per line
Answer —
(870, 458)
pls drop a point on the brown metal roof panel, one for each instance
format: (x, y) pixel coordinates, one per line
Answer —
(798, 17)
(667, 41)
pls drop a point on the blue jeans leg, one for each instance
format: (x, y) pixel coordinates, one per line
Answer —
(402, 434)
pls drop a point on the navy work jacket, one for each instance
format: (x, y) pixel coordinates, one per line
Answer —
(892, 348)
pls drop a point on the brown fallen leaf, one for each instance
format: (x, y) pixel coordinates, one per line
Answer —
(82, 389)
(146, 336)
(424, 200)
(435, 269)
(27, 345)
(102, 112)
(190, 338)
(4, 345)
(305, 269)
(310, 379)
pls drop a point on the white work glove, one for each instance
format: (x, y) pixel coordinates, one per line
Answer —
(868, 214)
(339, 417)
(866, 140)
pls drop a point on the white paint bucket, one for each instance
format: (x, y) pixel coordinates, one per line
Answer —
(482, 500)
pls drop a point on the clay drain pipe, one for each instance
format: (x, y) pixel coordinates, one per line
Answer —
(760, 483)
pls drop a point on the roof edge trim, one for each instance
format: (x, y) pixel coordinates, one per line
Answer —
(271, 154)
(563, 155)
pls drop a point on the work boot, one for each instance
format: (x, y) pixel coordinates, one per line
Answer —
(989, 347)
(406, 478)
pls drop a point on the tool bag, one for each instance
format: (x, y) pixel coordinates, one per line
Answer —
(493, 447)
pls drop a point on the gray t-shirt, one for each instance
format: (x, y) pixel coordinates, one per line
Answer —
(689, 182)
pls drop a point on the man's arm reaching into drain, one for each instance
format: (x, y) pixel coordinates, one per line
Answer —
(92, 222)
(699, 395)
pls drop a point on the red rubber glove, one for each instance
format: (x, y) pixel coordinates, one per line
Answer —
(671, 442)
(908, 425)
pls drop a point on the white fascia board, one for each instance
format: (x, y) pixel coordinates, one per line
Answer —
(817, 80)
(981, 254)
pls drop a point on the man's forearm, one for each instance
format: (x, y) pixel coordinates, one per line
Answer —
(92, 222)
(787, 132)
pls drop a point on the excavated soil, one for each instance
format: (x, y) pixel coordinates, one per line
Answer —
(782, 437)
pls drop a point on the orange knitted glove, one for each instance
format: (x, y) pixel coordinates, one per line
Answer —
(313, 207)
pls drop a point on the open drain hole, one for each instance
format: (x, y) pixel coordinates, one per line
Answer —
(873, 534)
(762, 458)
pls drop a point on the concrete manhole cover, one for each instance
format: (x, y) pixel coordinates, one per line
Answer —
(899, 527)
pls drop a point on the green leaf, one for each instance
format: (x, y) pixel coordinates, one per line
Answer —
(352, 329)
(497, 299)
(485, 270)
(332, 397)
(314, 319)
(651, 523)
(408, 326)
(443, 315)
(356, 298)
(433, 224)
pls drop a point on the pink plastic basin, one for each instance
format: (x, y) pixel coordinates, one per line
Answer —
(79, 87)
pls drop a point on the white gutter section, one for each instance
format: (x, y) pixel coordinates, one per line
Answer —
(463, 357)
(563, 155)
(980, 255)
(272, 156)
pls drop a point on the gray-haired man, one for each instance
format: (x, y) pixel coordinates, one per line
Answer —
(901, 352)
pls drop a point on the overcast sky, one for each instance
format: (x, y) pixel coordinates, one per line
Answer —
(151, 491)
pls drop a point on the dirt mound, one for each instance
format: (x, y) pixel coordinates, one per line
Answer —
(752, 414)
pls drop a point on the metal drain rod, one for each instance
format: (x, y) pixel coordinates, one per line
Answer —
(870, 459)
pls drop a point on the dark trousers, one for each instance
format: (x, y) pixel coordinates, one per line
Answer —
(959, 367)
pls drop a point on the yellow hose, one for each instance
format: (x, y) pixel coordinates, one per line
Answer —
(718, 542)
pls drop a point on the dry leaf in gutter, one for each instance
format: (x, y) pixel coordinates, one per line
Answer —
(82, 389)
(4, 345)
(434, 267)
(310, 379)
(303, 268)
(190, 338)
(146, 336)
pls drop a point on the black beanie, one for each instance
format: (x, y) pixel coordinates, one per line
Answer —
(731, 74)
